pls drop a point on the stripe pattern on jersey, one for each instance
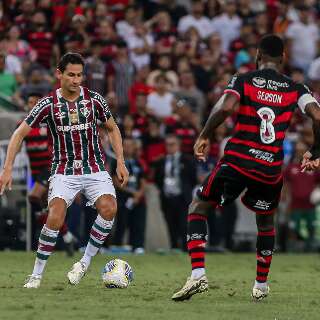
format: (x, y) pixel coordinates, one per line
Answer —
(247, 149)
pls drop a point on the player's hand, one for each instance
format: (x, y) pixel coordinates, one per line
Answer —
(5, 181)
(122, 173)
(201, 149)
(307, 164)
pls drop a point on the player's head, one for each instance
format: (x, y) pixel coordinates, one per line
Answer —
(270, 49)
(172, 144)
(33, 98)
(70, 71)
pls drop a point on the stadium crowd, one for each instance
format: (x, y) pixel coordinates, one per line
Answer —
(162, 65)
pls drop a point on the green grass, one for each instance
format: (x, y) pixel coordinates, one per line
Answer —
(294, 281)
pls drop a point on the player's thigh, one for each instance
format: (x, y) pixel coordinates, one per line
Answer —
(64, 187)
(97, 185)
(262, 198)
(222, 186)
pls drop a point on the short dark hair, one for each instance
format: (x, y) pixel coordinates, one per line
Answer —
(70, 57)
(271, 45)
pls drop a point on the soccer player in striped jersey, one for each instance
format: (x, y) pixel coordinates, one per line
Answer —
(72, 113)
(264, 101)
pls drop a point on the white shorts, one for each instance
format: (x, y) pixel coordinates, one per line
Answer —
(92, 186)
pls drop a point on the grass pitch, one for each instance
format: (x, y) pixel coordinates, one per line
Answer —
(294, 282)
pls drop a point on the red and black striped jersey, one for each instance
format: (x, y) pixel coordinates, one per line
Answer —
(38, 149)
(267, 102)
(73, 131)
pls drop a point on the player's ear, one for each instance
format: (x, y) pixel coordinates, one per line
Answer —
(58, 74)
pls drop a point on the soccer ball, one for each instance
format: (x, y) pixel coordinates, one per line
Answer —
(117, 274)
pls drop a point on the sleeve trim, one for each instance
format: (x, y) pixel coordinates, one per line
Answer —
(304, 100)
(232, 91)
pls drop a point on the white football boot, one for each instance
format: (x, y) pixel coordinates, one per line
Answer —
(260, 292)
(33, 282)
(76, 273)
(191, 287)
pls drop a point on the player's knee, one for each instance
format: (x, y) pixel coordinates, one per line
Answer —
(107, 207)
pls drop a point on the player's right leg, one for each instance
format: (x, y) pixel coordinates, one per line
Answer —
(47, 240)
(62, 191)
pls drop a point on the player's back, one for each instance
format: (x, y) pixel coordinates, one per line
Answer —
(267, 102)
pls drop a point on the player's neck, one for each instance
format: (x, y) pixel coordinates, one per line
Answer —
(269, 65)
(68, 95)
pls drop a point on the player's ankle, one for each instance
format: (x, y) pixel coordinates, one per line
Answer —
(260, 284)
(198, 273)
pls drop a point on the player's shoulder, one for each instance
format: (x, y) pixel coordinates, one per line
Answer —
(97, 96)
(43, 103)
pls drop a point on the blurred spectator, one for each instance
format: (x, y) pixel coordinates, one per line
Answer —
(95, 69)
(261, 25)
(8, 84)
(109, 40)
(175, 176)
(141, 117)
(35, 83)
(196, 19)
(184, 126)
(140, 86)
(120, 76)
(245, 12)
(227, 24)
(164, 66)
(188, 92)
(41, 40)
(131, 201)
(18, 47)
(98, 13)
(23, 20)
(77, 38)
(128, 129)
(140, 46)
(282, 21)
(160, 101)
(153, 142)
(299, 187)
(303, 40)
(125, 28)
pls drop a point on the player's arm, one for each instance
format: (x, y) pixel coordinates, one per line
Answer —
(311, 159)
(14, 146)
(224, 108)
(116, 143)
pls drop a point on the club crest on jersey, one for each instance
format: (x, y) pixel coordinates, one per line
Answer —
(259, 82)
(74, 116)
(85, 111)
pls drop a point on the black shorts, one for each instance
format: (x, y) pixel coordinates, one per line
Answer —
(42, 178)
(225, 184)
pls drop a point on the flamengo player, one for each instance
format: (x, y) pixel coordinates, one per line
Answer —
(71, 113)
(265, 101)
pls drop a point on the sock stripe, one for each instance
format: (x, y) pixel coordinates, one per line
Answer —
(97, 236)
(263, 269)
(42, 256)
(195, 216)
(267, 233)
(196, 259)
(195, 255)
(101, 229)
(46, 238)
(196, 244)
(261, 278)
(196, 265)
(264, 259)
(45, 247)
(94, 243)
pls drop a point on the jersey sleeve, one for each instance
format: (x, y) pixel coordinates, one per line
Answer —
(235, 86)
(103, 111)
(305, 97)
(39, 113)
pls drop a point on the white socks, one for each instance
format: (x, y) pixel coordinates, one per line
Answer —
(198, 273)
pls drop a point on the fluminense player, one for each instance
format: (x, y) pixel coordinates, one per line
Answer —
(72, 113)
(265, 101)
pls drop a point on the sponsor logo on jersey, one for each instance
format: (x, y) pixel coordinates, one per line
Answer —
(232, 82)
(262, 155)
(262, 205)
(274, 85)
(59, 105)
(77, 164)
(100, 99)
(269, 97)
(259, 82)
(60, 115)
(39, 105)
(76, 127)
(266, 253)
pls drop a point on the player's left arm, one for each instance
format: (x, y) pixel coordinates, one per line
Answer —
(309, 105)
(224, 108)
(116, 143)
